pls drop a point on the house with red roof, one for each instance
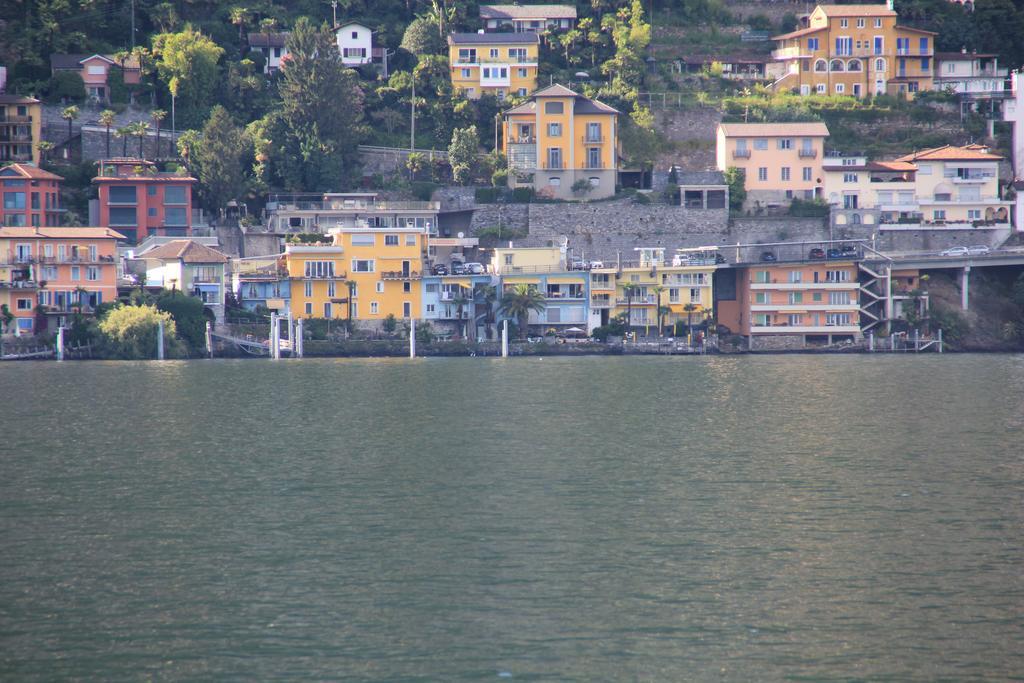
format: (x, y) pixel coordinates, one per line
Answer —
(31, 196)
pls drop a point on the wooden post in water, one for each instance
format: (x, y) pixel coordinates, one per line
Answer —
(297, 345)
(160, 340)
(871, 342)
(412, 337)
(291, 333)
(504, 338)
(940, 340)
(60, 343)
(209, 339)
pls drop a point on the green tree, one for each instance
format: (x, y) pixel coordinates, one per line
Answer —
(421, 37)
(158, 116)
(140, 129)
(67, 85)
(69, 114)
(736, 178)
(641, 143)
(461, 300)
(218, 160)
(463, 154)
(186, 62)
(189, 319)
(130, 332)
(108, 118)
(124, 132)
(519, 301)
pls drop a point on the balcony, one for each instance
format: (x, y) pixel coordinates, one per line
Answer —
(593, 165)
(19, 284)
(600, 302)
(741, 154)
(75, 259)
(593, 139)
(563, 295)
(554, 165)
(325, 276)
(805, 329)
(602, 285)
(522, 140)
(648, 300)
(15, 119)
(400, 275)
(808, 153)
(790, 53)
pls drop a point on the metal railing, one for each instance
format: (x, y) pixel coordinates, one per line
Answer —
(594, 139)
(522, 140)
(808, 153)
(400, 275)
(741, 154)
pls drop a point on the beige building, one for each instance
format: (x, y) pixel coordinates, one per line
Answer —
(782, 161)
(856, 50)
(945, 187)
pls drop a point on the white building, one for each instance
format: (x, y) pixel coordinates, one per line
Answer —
(272, 46)
(355, 44)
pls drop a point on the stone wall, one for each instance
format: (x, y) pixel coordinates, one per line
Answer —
(514, 216)
(94, 144)
(776, 342)
(385, 160)
(923, 240)
(753, 230)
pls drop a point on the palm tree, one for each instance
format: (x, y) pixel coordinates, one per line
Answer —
(158, 115)
(140, 129)
(630, 291)
(689, 308)
(488, 294)
(519, 302)
(108, 118)
(69, 114)
(351, 284)
(460, 302)
(662, 310)
(124, 132)
(44, 147)
(240, 18)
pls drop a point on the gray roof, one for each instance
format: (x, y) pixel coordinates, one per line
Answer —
(493, 39)
(700, 178)
(268, 39)
(527, 12)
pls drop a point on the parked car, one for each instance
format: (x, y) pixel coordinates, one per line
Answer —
(955, 251)
(579, 265)
(978, 250)
(474, 268)
(835, 253)
(596, 264)
(848, 249)
(768, 256)
(817, 253)
(719, 258)
(439, 269)
(459, 269)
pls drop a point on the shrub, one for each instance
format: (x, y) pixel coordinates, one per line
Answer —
(66, 85)
(188, 315)
(130, 332)
(423, 190)
(488, 195)
(811, 208)
(522, 195)
(952, 323)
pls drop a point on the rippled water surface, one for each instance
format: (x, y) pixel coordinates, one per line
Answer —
(657, 519)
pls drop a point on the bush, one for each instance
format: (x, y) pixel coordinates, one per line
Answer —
(500, 177)
(523, 195)
(423, 190)
(488, 195)
(66, 85)
(581, 187)
(130, 333)
(189, 318)
(809, 208)
(952, 323)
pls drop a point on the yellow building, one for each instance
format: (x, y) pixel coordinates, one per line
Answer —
(21, 128)
(560, 138)
(782, 161)
(856, 50)
(681, 288)
(499, 64)
(379, 269)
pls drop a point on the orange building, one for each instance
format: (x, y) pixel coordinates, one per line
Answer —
(31, 196)
(21, 128)
(140, 201)
(63, 270)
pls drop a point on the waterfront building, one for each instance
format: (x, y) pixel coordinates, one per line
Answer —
(95, 71)
(190, 267)
(652, 289)
(273, 46)
(528, 18)
(781, 161)
(60, 270)
(31, 196)
(261, 282)
(21, 128)
(563, 145)
(566, 292)
(140, 201)
(461, 305)
(856, 50)
(320, 213)
(940, 188)
(499, 64)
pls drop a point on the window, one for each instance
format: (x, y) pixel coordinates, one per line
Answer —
(122, 194)
(837, 276)
(374, 308)
(24, 304)
(410, 240)
(939, 215)
(555, 182)
(175, 216)
(923, 46)
(319, 269)
(76, 273)
(14, 200)
(151, 212)
(795, 319)
(518, 54)
(761, 298)
(762, 277)
(380, 287)
(925, 63)
(122, 215)
(839, 298)
(853, 65)
(832, 319)
(362, 265)
(796, 298)
(406, 309)
(812, 44)
(555, 130)
(521, 72)
(860, 23)
(327, 310)
(844, 23)
(762, 173)
(390, 240)
(694, 295)
(331, 289)
(92, 273)
(762, 320)
(902, 46)
(821, 66)
(467, 55)
(35, 200)
(816, 296)
(522, 91)
(494, 53)
(849, 177)
(807, 173)
(593, 132)
(407, 287)
(430, 308)
(880, 65)
(785, 173)
(759, 143)
(856, 89)
(175, 194)
(973, 214)
(844, 46)
(850, 201)
(836, 65)
(308, 289)
(554, 157)
(553, 107)
(878, 23)
(789, 194)
(96, 70)
(785, 143)
(364, 239)
(467, 73)
(820, 88)
(795, 276)
(508, 259)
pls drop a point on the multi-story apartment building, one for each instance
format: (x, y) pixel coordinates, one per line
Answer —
(945, 187)
(653, 290)
(369, 272)
(95, 71)
(562, 144)
(566, 292)
(273, 47)
(21, 128)
(499, 64)
(261, 282)
(62, 270)
(781, 161)
(461, 305)
(319, 213)
(31, 196)
(976, 77)
(856, 50)
(140, 201)
(190, 267)
(528, 18)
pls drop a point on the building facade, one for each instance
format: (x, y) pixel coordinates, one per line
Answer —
(562, 144)
(31, 196)
(95, 71)
(273, 47)
(977, 78)
(189, 267)
(60, 270)
(566, 292)
(528, 18)
(319, 213)
(499, 64)
(856, 50)
(355, 44)
(781, 161)
(21, 128)
(140, 201)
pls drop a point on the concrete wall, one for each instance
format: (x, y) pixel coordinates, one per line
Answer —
(776, 342)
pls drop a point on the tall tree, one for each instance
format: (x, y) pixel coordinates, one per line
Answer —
(158, 116)
(218, 159)
(187, 64)
(463, 154)
(69, 114)
(519, 302)
(108, 118)
(321, 108)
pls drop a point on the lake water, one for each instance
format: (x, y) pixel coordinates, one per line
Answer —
(466, 519)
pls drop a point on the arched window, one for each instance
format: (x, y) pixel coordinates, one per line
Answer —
(879, 65)
(853, 65)
(836, 65)
(821, 65)
(856, 219)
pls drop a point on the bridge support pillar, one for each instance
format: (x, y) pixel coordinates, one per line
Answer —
(965, 281)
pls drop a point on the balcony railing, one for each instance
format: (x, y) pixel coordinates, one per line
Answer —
(76, 259)
(19, 284)
(15, 119)
(637, 300)
(594, 139)
(593, 165)
(808, 153)
(400, 275)
(330, 276)
(563, 295)
(554, 165)
(522, 140)
(741, 154)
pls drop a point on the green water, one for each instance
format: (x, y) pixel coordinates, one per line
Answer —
(656, 519)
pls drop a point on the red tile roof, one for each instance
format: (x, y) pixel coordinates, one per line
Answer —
(187, 251)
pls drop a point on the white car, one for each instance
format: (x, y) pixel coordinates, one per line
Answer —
(475, 268)
(955, 251)
(597, 264)
(978, 250)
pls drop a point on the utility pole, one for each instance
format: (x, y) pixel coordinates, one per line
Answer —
(412, 104)
(334, 11)
(133, 24)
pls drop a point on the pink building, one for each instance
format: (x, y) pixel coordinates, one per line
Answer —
(137, 200)
(95, 71)
(31, 196)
